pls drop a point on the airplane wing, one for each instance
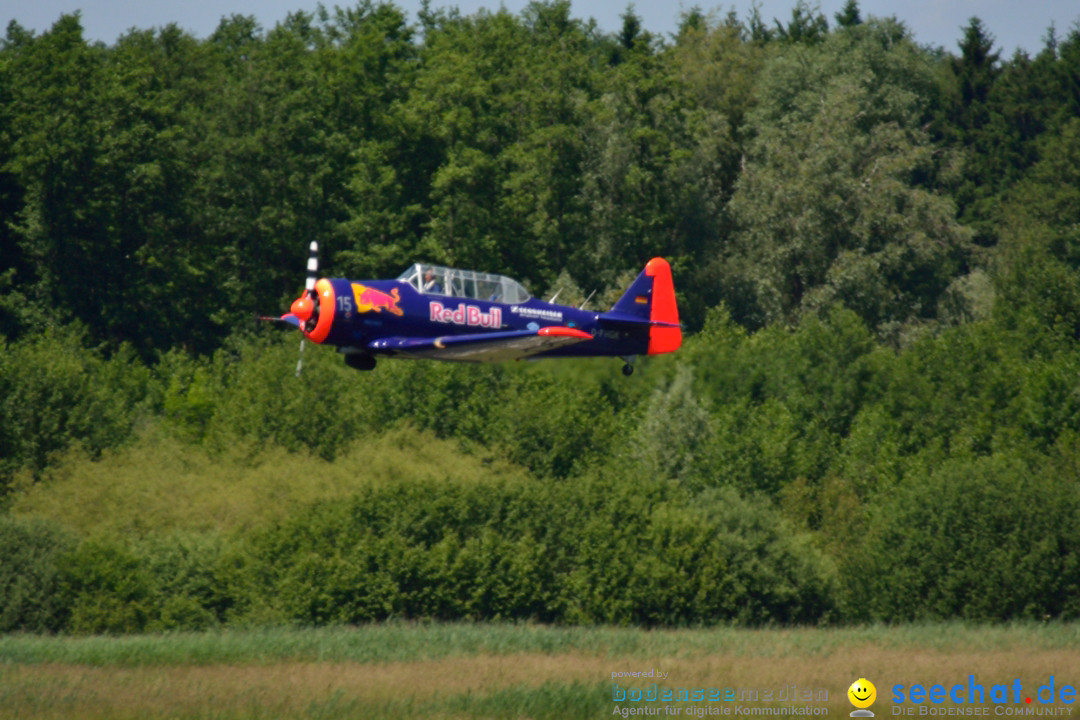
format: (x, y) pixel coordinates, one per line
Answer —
(482, 347)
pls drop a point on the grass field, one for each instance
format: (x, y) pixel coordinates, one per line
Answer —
(501, 671)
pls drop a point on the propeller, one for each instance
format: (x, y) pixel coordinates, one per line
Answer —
(305, 309)
(305, 306)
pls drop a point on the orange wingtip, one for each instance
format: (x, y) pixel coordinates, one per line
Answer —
(560, 331)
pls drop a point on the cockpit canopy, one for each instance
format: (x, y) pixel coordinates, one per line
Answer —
(436, 280)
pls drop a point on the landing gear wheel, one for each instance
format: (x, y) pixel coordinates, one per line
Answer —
(627, 369)
(360, 361)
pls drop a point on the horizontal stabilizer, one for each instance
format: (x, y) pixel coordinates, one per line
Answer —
(617, 318)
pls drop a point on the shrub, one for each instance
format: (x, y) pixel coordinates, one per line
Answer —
(55, 393)
(989, 538)
(29, 575)
(593, 550)
(108, 589)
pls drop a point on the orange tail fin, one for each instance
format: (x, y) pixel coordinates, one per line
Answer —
(668, 336)
(651, 300)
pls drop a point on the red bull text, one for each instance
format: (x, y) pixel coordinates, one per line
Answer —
(465, 315)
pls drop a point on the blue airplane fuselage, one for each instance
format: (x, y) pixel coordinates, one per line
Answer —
(484, 318)
(365, 311)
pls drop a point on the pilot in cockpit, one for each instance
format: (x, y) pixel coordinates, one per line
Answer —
(431, 285)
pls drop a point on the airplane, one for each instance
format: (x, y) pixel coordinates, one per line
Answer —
(442, 313)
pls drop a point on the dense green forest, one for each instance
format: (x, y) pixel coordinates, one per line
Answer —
(876, 248)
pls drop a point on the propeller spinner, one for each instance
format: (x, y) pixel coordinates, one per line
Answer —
(304, 306)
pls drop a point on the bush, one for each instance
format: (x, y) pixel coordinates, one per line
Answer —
(595, 550)
(108, 589)
(196, 582)
(178, 581)
(990, 538)
(55, 393)
(673, 559)
(30, 551)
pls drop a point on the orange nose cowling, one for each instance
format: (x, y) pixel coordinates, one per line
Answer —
(327, 302)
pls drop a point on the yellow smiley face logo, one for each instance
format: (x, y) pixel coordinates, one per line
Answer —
(862, 693)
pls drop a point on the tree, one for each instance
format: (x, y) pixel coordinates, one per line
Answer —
(716, 72)
(497, 112)
(849, 15)
(760, 33)
(968, 120)
(830, 205)
(804, 27)
(1039, 256)
(163, 266)
(57, 133)
(369, 70)
(13, 266)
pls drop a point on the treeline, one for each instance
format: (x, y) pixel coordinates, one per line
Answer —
(161, 189)
(875, 416)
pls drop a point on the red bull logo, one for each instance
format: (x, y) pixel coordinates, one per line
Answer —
(369, 299)
(466, 315)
